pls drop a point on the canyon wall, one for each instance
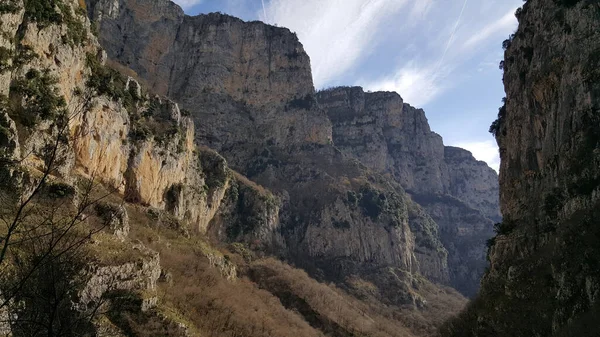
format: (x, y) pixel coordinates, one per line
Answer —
(544, 278)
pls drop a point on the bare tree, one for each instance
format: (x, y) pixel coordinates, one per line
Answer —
(42, 244)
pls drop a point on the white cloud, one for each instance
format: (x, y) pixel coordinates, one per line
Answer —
(421, 8)
(186, 4)
(501, 26)
(441, 55)
(417, 85)
(336, 34)
(486, 151)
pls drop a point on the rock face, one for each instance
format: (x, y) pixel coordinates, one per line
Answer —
(459, 192)
(213, 64)
(249, 89)
(62, 107)
(140, 274)
(544, 278)
(391, 136)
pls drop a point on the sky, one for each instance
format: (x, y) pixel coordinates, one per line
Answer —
(439, 55)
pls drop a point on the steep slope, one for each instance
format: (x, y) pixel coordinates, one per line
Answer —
(460, 193)
(249, 89)
(544, 278)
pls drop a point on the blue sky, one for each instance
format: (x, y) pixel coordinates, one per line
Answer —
(440, 55)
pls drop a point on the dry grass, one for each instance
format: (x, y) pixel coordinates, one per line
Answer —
(242, 179)
(271, 298)
(325, 306)
(215, 306)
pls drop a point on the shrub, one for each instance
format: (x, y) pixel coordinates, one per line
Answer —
(497, 124)
(352, 198)
(214, 168)
(518, 13)
(23, 55)
(48, 12)
(507, 43)
(139, 132)
(43, 12)
(554, 202)
(505, 227)
(42, 99)
(60, 190)
(106, 81)
(373, 202)
(8, 7)
(5, 57)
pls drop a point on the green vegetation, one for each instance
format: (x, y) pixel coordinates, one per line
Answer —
(343, 224)
(42, 100)
(497, 124)
(567, 3)
(554, 202)
(8, 7)
(214, 168)
(22, 56)
(352, 198)
(508, 42)
(49, 12)
(109, 82)
(372, 202)
(13, 59)
(43, 12)
(252, 206)
(5, 58)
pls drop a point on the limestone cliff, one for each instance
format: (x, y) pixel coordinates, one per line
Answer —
(391, 136)
(109, 171)
(249, 88)
(459, 192)
(211, 64)
(66, 119)
(544, 278)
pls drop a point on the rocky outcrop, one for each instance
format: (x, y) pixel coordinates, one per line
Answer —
(543, 278)
(459, 192)
(473, 182)
(140, 273)
(249, 214)
(116, 218)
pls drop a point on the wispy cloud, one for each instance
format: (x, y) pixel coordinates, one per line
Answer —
(446, 49)
(506, 23)
(486, 151)
(416, 84)
(187, 4)
(335, 33)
